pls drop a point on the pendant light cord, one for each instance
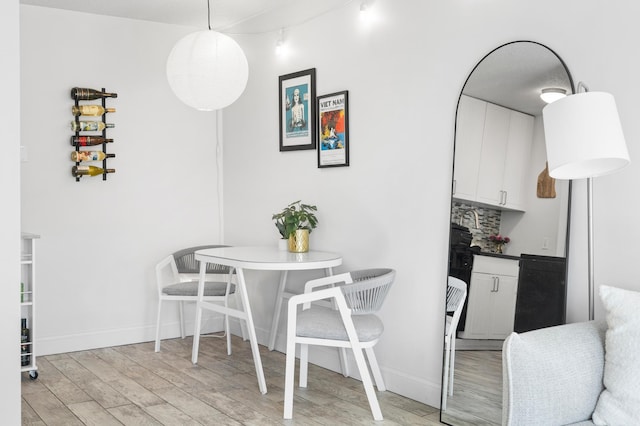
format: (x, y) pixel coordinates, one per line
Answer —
(209, 14)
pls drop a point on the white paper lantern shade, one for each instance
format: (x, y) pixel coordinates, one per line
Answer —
(207, 70)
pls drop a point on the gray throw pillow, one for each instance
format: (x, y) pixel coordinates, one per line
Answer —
(619, 402)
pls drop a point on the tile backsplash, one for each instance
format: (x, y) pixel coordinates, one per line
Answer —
(489, 223)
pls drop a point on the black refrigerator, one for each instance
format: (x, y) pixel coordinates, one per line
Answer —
(542, 293)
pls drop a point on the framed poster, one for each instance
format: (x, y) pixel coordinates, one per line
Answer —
(333, 129)
(297, 110)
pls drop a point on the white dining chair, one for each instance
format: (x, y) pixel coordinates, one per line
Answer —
(357, 295)
(177, 281)
(456, 295)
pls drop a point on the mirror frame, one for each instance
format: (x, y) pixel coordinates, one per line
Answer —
(569, 190)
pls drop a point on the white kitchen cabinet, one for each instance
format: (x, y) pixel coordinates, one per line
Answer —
(492, 154)
(492, 298)
(495, 141)
(517, 160)
(469, 131)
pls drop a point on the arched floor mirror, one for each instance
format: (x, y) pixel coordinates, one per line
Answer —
(509, 223)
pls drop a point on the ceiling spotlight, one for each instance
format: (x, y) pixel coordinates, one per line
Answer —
(365, 8)
(280, 47)
(552, 94)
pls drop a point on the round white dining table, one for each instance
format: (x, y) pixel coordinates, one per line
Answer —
(255, 258)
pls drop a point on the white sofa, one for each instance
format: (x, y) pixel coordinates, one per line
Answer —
(553, 376)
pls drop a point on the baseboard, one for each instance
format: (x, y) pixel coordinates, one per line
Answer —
(478, 345)
(118, 337)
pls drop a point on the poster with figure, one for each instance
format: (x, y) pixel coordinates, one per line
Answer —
(297, 110)
(333, 130)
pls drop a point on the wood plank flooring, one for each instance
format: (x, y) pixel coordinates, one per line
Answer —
(477, 389)
(133, 385)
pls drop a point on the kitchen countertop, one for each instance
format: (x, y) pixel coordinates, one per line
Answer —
(500, 255)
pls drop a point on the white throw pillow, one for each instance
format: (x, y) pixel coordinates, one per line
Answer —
(619, 403)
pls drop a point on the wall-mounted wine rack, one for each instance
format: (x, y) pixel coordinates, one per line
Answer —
(82, 94)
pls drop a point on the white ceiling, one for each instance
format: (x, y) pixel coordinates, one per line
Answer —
(512, 76)
(231, 16)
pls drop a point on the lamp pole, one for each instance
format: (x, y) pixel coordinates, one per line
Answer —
(592, 287)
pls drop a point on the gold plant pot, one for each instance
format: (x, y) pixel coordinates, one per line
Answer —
(299, 241)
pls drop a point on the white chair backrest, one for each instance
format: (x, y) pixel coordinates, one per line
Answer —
(368, 290)
(456, 295)
(187, 264)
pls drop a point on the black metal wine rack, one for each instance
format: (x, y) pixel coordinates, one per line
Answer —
(104, 134)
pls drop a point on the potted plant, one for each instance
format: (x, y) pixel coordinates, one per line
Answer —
(295, 222)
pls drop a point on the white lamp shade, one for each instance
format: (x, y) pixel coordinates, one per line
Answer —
(207, 70)
(583, 136)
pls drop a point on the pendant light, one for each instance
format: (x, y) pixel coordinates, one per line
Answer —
(207, 70)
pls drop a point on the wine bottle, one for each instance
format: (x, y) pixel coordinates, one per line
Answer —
(25, 358)
(88, 126)
(89, 140)
(89, 171)
(79, 156)
(85, 94)
(95, 110)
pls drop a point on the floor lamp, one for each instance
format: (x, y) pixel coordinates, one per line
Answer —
(584, 139)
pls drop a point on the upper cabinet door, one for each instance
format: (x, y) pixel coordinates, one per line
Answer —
(493, 156)
(517, 160)
(469, 131)
(493, 145)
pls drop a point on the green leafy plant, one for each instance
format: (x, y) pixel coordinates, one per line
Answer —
(295, 216)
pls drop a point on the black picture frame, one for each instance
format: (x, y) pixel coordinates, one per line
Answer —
(297, 108)
(333, 129)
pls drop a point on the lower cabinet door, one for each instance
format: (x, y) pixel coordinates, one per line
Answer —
(491, 307)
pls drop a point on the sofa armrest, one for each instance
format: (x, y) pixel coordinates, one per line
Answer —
(553, 375)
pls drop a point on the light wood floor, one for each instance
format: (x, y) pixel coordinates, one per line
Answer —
(477, 389)
(133, 385)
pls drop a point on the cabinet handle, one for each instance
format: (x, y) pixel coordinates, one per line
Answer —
(454, 186)
(497, 284)
(503, 198)
(493, 288)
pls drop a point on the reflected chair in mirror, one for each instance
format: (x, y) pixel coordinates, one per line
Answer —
(351, 324)
(456, 295)
(177, 278)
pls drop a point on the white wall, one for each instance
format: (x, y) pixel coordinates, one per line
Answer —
(391, 206)
(101, 239)
(545, 218)
(10, 224)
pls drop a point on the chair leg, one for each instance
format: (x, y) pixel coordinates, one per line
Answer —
(243, 324)
(452, 362)
(445, 376)
(368, 384)
(304, 365)
(375, 369)
(158, 326)
(344, 363)
(228, 332)
(181, 319)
